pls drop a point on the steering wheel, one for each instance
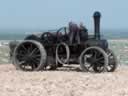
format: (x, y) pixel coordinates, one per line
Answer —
(61, 33)
(47, 38)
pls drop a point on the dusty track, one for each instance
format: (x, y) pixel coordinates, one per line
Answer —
(62, 83)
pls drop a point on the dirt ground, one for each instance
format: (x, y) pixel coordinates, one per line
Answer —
(64, 82)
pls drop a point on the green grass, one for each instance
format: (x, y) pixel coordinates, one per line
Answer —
(4, 55)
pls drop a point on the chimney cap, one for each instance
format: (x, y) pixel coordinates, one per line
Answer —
(97, 14)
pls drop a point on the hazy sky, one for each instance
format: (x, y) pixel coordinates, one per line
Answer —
(44, 14)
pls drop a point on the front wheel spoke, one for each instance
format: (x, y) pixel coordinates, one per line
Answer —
(32, 65)
(99, 55)
(85, 58)
(111, 57)
(100, 59)
(110, 54)
(99, 65)
(95, 54)
(89, 66)
(110, 65)
(37, 58)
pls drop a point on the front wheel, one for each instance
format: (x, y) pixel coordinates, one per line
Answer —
(93, 59)
(112, 65)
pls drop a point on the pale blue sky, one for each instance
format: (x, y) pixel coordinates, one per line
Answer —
(45, 14)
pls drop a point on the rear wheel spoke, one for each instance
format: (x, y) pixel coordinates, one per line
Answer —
(25, 49)
(31, 47)
(34, 51)
(35, 56)
(35, 61)
(33, 65)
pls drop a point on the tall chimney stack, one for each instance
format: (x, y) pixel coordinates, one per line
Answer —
(96, 17)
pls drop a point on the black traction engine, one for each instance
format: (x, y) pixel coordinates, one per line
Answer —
(68, 45)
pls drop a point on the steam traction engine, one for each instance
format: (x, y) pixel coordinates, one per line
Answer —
(54, 49)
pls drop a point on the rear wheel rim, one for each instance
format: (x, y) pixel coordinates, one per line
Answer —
(28, 56)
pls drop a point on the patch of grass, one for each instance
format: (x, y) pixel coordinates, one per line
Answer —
(4, 54)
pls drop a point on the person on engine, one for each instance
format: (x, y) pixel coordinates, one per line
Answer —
(73, 33)
(83, 32)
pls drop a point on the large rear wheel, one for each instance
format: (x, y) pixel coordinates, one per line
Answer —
(29, 55)
(93, 59)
